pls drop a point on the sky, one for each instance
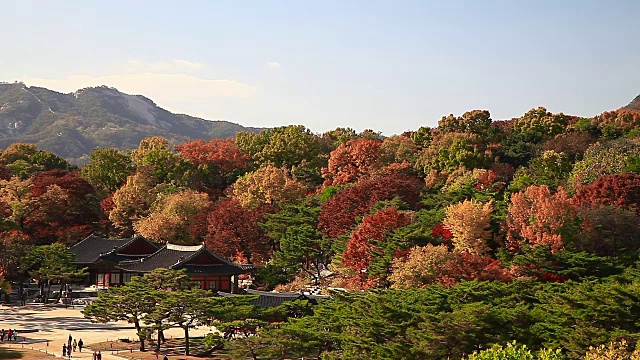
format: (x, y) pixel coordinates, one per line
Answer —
(389, 66)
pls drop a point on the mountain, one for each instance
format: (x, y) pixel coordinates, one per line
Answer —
(634, 105)
(72, 125)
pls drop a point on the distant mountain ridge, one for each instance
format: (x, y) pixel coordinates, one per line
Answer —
(72, 125)
(634, 104)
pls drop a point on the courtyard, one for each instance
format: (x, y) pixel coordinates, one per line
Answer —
(47, 328)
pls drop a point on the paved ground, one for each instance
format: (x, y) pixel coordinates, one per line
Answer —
(53, 325)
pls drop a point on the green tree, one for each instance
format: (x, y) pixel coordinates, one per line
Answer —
(450, 151)
(333, 138)
(107, 169)
(137, 302)
(23, 160)
(603, 158)
(301, 245)
(476, 122)
(185, 309)
(14, 262)
(550, 168)
(293, 147)
(422, 137)
(542, 122)
(51, 263)
(167, 166)
(131, 302)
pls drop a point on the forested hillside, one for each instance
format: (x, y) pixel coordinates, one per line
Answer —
(72, 125)
(439, 241)
(634, 105)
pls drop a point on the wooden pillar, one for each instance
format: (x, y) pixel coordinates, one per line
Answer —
(234, 285)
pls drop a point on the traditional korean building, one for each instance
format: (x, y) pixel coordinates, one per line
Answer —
(101, 256)
(112, 262)
(268, 299)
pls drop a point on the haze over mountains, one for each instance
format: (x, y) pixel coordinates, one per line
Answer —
(72, 125)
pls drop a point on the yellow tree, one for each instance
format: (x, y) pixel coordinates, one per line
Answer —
(267, 185)
(468, 222)
(171, 217)
(16, 194)
(420, 268)
(613, 351)
(132, 201)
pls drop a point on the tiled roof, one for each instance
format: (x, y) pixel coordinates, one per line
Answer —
(224, 269)
(272, 299)
(91, 248)
(116, 257)
(163, 258)
(174, 256)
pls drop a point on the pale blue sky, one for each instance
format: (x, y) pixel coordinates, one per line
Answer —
(387, 65)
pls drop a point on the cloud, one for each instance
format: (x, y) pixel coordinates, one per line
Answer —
(161, 88)
(274, 65)
(137, 66)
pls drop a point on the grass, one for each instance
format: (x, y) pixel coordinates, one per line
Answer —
(22, 354)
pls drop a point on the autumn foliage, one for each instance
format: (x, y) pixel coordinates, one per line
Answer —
(436, 264)
(537, 217)
(620, 190)
(267, 186)
(234, 231)
(432, 206)
(352, 161)
(171, 216)
(468, 222)
(368, 236)
(339, 213)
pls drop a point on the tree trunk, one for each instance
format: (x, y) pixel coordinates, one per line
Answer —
(48, 293)
(140, 335)
(158, 343)
(186, 341)
(161, 338)
(63, 284)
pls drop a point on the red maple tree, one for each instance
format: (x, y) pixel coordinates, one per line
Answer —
(235, 232)
(338, 214)
(366, 238)
(619, 190)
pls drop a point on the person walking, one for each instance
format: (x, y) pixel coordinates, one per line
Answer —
(166, 357)
(9, 334)
(99, 355)
(75, 345)
(15, 335)
(64, 350)
(2, 335)
(95, 356)
(80, 344)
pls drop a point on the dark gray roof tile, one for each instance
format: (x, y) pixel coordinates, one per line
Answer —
(91, 248)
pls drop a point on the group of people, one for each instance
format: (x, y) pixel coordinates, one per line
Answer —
(10, 334)
(72, 346)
